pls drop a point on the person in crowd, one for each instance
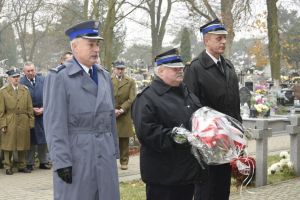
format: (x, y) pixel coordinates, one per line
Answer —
(16, 120)
(80, 121)
(67, 56)
(38, 142)
(213, 80)
(124, 93)
(168, 169)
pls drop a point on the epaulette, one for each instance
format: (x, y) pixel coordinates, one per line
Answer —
(58, 68)
(25, 87)
(4, 86)
(143, 90)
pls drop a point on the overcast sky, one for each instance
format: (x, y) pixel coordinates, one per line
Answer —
(137, 33)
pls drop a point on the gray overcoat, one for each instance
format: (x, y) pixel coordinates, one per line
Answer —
(80, 129)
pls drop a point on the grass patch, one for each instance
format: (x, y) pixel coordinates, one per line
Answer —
(133, 190)
(283, 175)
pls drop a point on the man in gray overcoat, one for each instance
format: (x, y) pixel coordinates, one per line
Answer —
(79, 121)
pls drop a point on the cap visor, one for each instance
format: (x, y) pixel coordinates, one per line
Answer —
(219, 32)
(92, 37)
(174, 65)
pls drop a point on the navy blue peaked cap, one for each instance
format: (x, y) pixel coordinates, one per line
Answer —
(214, 27)
(171, 58)
(87, 29)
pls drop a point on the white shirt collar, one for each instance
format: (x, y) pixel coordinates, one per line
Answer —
(15, 87)
(85, 68)
(32, 79)
(212, 57)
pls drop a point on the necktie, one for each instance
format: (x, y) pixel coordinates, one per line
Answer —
(91, 73)
(32, 82)
(220, 66)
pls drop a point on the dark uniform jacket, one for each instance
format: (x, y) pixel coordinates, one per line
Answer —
(155, 112)
(36, 92)
(214, 88)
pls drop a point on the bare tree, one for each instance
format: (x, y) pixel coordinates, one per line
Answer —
(31, 25)
(159, 15)
(230, 11)
(273, 35)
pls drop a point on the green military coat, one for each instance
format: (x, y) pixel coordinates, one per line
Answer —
(16, 115)
(124, 93)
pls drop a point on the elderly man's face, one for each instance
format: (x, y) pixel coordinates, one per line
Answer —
(29, 71)
(171, 76)
(215, 44)
(86, 51)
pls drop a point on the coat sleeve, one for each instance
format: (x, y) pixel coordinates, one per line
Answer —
(56, 120)
(132, 93)
(149, 129)
(2, 111)
(30, 110)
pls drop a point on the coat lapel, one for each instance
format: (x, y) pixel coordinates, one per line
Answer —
(87, 83)
(102, 86)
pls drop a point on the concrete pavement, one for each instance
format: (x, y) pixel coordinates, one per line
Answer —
(38, 184)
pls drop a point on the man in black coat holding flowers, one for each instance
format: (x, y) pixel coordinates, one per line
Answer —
(168, 169)
(214, 81)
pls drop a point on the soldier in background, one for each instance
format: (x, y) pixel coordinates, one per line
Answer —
(124, 93)
(16, 119)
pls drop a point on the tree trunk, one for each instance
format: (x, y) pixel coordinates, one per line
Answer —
(108, 34)
(227, 17)
(273, 35)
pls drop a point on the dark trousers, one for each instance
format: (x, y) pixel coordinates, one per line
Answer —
(177, 192)
(217, 186)
(124, 150)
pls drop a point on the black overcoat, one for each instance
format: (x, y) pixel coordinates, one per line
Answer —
(214, 88)
(155, 112)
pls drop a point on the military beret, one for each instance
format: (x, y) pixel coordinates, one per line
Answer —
(87, 30)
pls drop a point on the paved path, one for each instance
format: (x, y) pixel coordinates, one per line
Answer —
(38, 184)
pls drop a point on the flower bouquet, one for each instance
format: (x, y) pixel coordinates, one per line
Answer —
(216, 138)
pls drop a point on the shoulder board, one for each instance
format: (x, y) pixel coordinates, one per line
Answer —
(58, 68)
(3, 87)
(139, 94)
(25, 87)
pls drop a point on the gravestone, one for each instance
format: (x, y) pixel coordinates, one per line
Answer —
(245, 96)
(249, 85)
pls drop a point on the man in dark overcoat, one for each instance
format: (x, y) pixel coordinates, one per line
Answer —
(214, 81)
(124, 93)
(80, 121)
(35, 84)
(168, 169)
